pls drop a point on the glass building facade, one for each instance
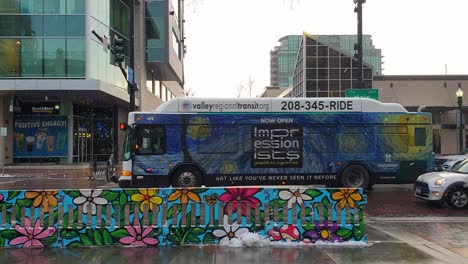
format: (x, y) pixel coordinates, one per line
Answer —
(324, 71)
(283, 57)
(42, 39)
(345, 43)
(282, 61)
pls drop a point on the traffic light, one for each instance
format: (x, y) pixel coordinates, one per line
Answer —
(118, 50)
(356, 50)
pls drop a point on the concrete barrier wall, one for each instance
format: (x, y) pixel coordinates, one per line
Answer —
(150, 217)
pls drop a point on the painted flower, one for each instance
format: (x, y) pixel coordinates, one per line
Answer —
(323, 232)
(1, 197)
(347, 196)
(240, 195)
(229, 231)
(211, 199)
(30, 237)
(147, 196)
(184, 195)
(295, 195)
(138, 237)
(90, 197)
(43, 198)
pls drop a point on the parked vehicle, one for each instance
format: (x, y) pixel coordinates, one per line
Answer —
(450, 164)
(446, 162)
(449, 186)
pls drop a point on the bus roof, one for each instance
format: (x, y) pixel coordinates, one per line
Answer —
(276, 105)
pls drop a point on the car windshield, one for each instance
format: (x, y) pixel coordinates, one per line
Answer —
(461, 166)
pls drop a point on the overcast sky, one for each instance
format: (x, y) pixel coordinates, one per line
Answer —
(229, 41)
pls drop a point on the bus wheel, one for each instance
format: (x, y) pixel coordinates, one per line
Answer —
(355, 176)
(186, 176)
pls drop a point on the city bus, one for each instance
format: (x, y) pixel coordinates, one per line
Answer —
(337, 142)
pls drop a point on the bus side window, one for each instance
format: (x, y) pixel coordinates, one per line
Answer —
(394, 137)
(150, 139)
(420, 136)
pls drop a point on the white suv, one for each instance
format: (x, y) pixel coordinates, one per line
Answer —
(445, 186)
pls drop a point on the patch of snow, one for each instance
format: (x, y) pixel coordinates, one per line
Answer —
(256, 240)
(6, 175)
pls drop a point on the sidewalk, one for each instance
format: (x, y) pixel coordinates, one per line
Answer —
(49, 170)
(439, 239)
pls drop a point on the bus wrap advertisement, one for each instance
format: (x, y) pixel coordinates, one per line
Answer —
(276, 146)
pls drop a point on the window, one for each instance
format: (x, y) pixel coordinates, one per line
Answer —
(54, 57)
(150, 139)
(128, 144)
(75, 58)
(356, 140)
(31, 58)
(354, 143)
(420, 136)
(10, 54)
(394, 137)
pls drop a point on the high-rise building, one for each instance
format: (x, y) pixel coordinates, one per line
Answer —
(283, 60)
(61, 94)
(283, 57)
(325, 71)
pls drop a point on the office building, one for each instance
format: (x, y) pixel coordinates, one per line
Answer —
(283, 57)
(325, 71)
(61, 94)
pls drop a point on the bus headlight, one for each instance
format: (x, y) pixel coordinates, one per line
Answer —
(126, 173)
(440, 181)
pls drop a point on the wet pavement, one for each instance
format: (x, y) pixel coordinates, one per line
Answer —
(397, 200)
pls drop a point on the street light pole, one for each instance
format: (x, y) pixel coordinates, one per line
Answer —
(461, 125)
(358, 46)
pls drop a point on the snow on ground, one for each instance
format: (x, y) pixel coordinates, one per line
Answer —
(256, 240)
(6, 175)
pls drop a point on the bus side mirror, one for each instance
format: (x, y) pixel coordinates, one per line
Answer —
(124, 126)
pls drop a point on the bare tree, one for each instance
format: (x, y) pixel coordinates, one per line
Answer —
(250, 84)
(189, 92)
(240, 88)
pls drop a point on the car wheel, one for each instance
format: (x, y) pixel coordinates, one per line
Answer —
(355, 176)
(187, 176)
(458, 198)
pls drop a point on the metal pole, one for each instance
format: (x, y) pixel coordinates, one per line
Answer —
(461, 127)
(131, 88)
(359, 39)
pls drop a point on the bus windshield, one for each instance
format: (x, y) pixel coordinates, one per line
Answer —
(127, 144)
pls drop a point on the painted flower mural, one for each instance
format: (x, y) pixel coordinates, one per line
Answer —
(31, 237)
(229, 231)
(347, 196)
(323, 232)
(147, 197)
(296, 195)
(184, 195)
(43, 198)
(139, 236)
(196, 225)
(90, 197)
(245, 196)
